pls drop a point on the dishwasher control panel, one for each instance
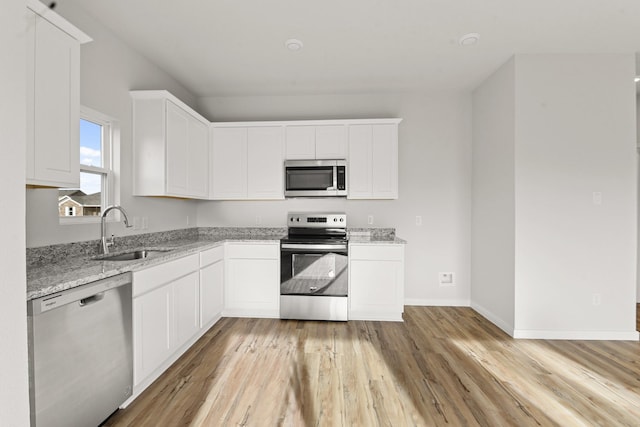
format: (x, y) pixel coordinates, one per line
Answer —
(84, 294)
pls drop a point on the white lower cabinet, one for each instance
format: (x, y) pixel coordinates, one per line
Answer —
(186, 304)
(165, 316)
(376, 281)
(211, 285)
(252, 280)
(152, 327)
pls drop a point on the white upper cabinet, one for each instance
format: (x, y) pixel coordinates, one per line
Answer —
(171, 147)
(53, 98)
(301, 142)
(265, 159)
(228, 163)
(373, 161)
(316, 142)
(247, 162)
(331, 142)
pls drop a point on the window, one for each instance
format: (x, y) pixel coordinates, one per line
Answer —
(98, 136)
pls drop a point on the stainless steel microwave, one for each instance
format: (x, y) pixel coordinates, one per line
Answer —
(315, 178)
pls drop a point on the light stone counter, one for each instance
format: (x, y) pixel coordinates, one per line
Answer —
(59, 267)
(48, 274)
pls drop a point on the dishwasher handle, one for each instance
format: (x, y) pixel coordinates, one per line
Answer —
(91, 300)
(84, 294)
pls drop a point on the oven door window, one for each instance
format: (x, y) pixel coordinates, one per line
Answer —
(314, 274)
(309, 178)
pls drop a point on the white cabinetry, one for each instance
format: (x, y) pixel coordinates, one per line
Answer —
(228, 163)
(165, 316)
(171, 147)
(373, 161)
(252, 279)
(247, 162)
(211, 285)
(376, 282)
(316, 142)
(53, 98)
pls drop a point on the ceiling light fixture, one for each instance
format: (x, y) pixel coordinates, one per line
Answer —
(469, 39)
(293, 45)
(637, 79)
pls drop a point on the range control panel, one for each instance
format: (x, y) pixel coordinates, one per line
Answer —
(317, 220)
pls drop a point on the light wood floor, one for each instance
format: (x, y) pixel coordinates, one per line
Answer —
(442, 366)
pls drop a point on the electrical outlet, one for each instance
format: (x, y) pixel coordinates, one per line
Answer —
(258, 220)
(370, 220)
(418, 220)
(597, 198)
(145, 222)
(136, 223)
(596, 300)
(446, 279)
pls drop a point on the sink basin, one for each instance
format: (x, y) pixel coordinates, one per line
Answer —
(129, 256)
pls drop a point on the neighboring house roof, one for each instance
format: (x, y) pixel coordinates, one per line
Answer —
(80, 198)
(66, 199)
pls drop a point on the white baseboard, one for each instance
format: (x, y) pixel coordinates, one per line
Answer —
(491, 317)
(577, 335)
(438, 302)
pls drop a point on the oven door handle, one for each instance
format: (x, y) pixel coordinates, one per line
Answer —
(313, 247)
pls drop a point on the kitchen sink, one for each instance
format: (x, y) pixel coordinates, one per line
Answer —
(130, 256)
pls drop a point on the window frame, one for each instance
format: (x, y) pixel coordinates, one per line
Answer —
(110, 193)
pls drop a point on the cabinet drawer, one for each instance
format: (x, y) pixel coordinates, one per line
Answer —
(253, 250)
(211, 255)
(376, 252)
(158, 275)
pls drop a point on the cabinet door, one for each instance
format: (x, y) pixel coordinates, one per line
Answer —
(384, 162)
(359, 169)
(331, 142)
(375, 290)
(229, 163)
(177, 150)
(252, 287)
(185, 309)
(211, 292)
(300, 142)
(265, 163)
(53, 147)
(151, 331)
(198, 170)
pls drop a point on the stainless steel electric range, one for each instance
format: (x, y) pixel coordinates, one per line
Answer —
(313, 267)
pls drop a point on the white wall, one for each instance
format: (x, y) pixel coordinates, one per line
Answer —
(434, 180)
(109, 69)
(575, 135)
(638, 158)
(493, 207)
(14, 391)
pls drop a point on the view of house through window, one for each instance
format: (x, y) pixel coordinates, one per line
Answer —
(95, 147)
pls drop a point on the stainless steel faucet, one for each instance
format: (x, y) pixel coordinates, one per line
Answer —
(104, 245)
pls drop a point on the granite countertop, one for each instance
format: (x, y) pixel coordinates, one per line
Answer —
(59, 267)
(70, 272)
(385, 240)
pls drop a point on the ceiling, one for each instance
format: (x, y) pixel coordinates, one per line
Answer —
(236, 47)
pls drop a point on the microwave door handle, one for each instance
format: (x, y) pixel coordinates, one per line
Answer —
(335, 179)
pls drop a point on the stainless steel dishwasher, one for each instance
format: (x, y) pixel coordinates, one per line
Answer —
(80, 353)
